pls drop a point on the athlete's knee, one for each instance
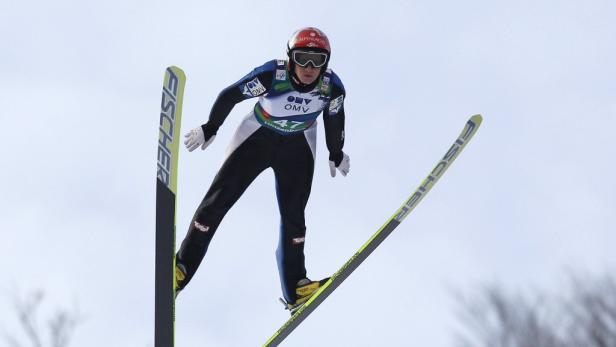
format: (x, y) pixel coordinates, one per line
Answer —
(293, 224)
(200, 232)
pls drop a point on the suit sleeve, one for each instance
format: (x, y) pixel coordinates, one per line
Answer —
(333, 117)
(256, 83)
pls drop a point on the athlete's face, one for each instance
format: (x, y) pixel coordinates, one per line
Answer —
(307, 74)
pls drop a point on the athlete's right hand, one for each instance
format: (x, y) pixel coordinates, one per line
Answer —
(340, 161)
(196, 138)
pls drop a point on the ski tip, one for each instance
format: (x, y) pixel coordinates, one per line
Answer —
(177, 71)
(477, 119)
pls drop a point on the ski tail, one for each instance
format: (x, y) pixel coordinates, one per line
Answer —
(379, 236)
(166, 191)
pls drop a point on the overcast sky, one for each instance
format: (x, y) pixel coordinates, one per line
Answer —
(532, 196)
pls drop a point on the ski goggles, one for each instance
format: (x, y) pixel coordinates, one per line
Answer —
(303, 58)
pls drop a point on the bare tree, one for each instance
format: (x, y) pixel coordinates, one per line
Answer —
(583, 314)
(593, 312)
(60, 325)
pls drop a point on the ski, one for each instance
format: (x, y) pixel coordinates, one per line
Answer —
(166, 190)
(465, 136)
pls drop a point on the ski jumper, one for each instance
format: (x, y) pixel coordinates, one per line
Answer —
(279, 133)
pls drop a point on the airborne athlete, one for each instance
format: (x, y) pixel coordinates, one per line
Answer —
(279, 133)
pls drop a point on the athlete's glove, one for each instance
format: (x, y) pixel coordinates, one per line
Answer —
(196, 138)
(340, 161)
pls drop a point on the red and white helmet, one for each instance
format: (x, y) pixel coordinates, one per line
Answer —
(309, 38)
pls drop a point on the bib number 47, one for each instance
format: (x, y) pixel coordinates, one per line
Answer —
(287, 124)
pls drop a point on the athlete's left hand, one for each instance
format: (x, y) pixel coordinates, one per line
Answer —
(340, 161)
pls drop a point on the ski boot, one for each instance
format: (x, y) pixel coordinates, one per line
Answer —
(304, 291)
(178, 279)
